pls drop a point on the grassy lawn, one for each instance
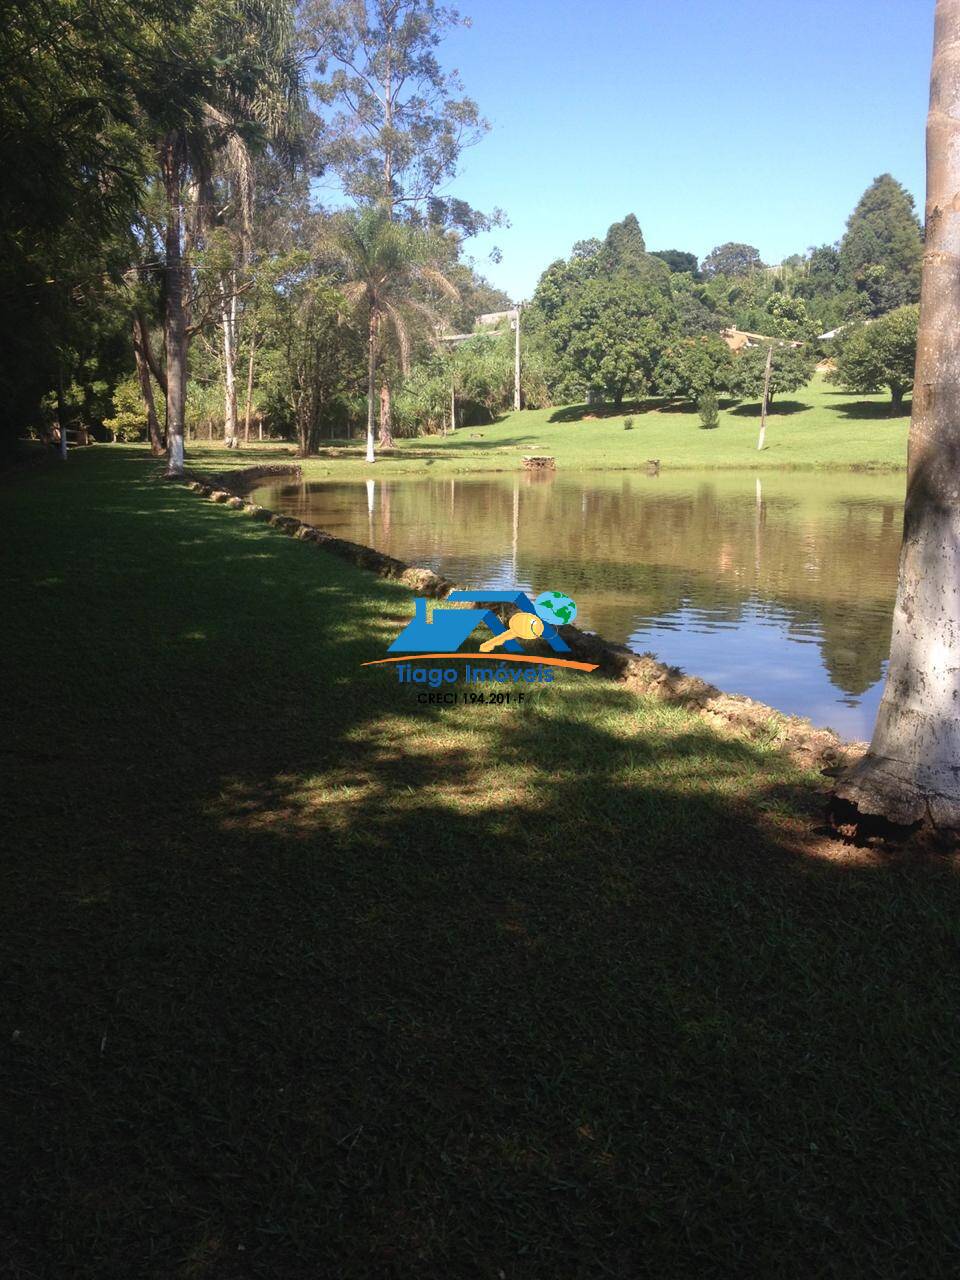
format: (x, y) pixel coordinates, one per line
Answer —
(302, 979)
(818, 427)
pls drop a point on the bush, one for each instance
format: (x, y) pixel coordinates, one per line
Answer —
(129, 421)
(708, 409)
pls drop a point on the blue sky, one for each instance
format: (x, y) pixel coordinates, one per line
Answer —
(711, 120)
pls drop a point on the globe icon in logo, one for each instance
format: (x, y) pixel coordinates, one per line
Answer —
(555, 607)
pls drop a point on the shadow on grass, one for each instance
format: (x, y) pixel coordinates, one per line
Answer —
(307, 979)
(581, 412)
(778, 409)
(860, 409)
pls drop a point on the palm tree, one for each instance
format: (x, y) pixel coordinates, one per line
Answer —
(392, 275)
(250, 97)
(911, 771)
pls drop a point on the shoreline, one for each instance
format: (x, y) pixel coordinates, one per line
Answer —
(355, 468)
(808, 745)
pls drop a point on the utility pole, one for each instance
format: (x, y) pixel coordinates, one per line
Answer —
(516, 358)
(766, 393)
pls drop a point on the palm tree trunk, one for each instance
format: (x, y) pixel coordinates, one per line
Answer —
(371, 381)
(911, 771)
(386, 416)
(175, 316)
(146, 387)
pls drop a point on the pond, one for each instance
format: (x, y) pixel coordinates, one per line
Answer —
(779, 585)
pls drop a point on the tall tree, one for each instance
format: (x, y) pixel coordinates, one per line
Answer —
(881, 252)
(910, 772)
(396, 121)
(390, 269)
(731, 259)
(624, 248)
(84, 82)
(611, 336)
(251, 91)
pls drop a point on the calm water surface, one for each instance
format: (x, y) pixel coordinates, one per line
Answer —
(780, 587)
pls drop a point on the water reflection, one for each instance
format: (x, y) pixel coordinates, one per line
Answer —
(778, 586)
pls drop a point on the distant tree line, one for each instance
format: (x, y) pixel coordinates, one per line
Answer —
(616, 321)
(165, 272)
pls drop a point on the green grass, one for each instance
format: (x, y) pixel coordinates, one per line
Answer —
(304, 980)
(818, 427)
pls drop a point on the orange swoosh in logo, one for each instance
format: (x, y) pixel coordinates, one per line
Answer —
(486, 657)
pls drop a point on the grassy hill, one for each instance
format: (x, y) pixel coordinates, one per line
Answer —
(818, 427)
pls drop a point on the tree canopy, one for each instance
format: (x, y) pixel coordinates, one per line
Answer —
(731, 259)
(790, 369)
(880, 354)
(881, 252)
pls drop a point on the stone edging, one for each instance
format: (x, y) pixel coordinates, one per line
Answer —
(809, 746)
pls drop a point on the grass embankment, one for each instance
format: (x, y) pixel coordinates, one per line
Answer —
(303, 979)
(818, 427)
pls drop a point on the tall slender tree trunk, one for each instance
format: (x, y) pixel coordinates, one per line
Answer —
(386, 416)
(516, 360)
(62, 412)
(246, 416)
(175, 315)
(912, 770)
(765, 403)
(146, 386)
(228, 324)
(371, 382)
(154, 364)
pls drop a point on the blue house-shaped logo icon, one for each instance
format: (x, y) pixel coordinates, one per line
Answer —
(448, 629)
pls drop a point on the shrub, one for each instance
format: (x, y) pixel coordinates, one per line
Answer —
(708, 409)
(129, 421)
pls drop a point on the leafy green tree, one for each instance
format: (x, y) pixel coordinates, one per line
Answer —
(678, 261)
(694, 366)
(699, 311)
(788, 317)
(880, 354)
(623, 247)
(791, 368)
(731, 259)
(396, 122)
(129, 419)
(85, 84)
(390, 269)
(249, 97)
(882, 250)
(477, 296)
(601, 319)
(310, 362)
(611, 336)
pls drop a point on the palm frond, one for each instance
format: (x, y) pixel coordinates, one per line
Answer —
(399, 326)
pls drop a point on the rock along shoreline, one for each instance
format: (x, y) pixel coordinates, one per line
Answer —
(809, 746)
